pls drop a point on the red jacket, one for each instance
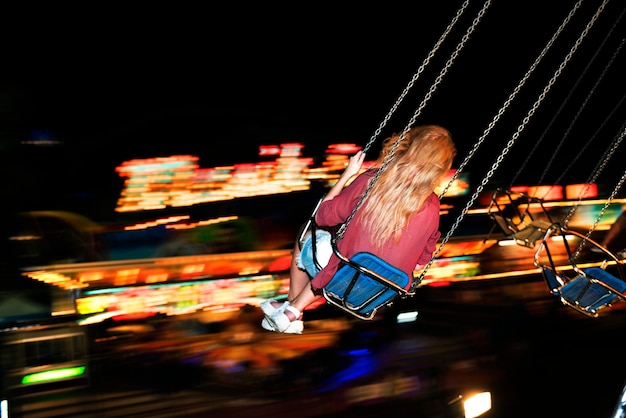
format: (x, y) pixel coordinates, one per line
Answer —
(417, 242)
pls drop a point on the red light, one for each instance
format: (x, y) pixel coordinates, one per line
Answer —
(315, 304)
(439, 283)
(344, 149)
(280, 264)
(133, 316)
(270, 150)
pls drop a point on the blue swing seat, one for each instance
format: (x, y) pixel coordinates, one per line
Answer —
(593, 290)
(362, 284)
(586, 290)
(589, 291)
(365, 284)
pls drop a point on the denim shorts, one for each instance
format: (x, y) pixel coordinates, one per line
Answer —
(323, 251)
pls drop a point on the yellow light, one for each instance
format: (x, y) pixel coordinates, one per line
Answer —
(477, 405)
(126, 276)
(156, 278)
(507, 242)
(91, 276)
(193, 269)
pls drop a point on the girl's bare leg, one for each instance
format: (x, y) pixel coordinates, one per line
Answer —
(298, 279)
(305, 298)
(299, 282)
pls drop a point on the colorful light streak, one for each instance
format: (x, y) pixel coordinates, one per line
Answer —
(178, 181)
(178, 285)
(53, 375)
(177, 298)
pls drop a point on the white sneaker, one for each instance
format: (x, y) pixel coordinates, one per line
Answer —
(268, 308)
(296, 327)
(279, 320)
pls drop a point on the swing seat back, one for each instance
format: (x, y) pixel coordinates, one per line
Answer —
(365, 284)
(513, 216)
(532, 233)
(554, 280)
(506, 225)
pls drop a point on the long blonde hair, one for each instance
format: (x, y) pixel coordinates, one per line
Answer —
(419, 163)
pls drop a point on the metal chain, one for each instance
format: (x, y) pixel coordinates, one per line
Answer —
(508, 101)
(582, 107)
(571, 124)
(617, 188)
(608, 151)
(408, 126)
(605, 158)
(510, 143)
(416, 75)
(448, 64)
(592, 180)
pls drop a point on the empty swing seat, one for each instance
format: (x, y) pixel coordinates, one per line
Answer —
(588, 290)
(515, 219)
(364, 284)
(532, 233)
(591, 291)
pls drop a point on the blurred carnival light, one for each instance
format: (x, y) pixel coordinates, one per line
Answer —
(476, 405)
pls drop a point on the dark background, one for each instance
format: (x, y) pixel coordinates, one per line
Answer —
(109, 82)
(117, 82)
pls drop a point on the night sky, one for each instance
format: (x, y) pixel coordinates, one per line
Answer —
(115, 83)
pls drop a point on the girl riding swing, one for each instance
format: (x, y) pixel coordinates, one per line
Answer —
(398, 221)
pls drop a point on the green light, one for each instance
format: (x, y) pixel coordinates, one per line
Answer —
(47, 376)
